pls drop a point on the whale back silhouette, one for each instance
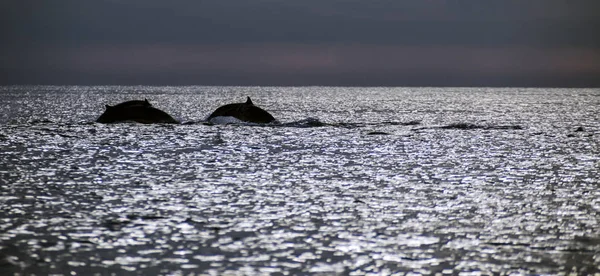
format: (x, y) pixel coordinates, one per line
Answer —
(247, 112)
(132, 103)
(137, 111)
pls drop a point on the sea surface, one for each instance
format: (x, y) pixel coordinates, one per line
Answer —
(351, 181)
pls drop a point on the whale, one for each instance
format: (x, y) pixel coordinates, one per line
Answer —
(145, 102)
(136, 111)
(246, 112)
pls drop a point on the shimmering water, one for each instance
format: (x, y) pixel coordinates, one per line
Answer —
(354, 181)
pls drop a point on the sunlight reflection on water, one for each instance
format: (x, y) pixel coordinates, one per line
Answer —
(85, 197)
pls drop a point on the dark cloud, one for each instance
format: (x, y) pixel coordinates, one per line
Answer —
(269, 40)
(403, 22)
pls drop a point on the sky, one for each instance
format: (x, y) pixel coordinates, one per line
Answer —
(533, 43)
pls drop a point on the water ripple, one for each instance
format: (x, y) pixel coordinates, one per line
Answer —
(317, 196)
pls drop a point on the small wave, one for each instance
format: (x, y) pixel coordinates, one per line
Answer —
(378, 133)
(304, 123)
(468, 126)
(308, 122)
(40, 121)
(409, 123)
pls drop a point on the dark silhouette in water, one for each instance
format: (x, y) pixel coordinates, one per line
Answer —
(474, 126)
(137, 111)
(145, 103)
(246, 112)
(377, 133)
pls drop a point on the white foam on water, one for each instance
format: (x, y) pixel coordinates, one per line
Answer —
(223, 120)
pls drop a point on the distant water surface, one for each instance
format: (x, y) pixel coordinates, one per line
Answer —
(353, 181)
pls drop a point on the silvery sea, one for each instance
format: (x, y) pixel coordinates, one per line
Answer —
(351, 181)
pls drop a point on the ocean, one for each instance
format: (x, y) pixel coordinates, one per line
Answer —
(351, 181)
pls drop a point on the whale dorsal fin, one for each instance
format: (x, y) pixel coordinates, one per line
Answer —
(107, 106)
(248, 101)
(147, 102)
